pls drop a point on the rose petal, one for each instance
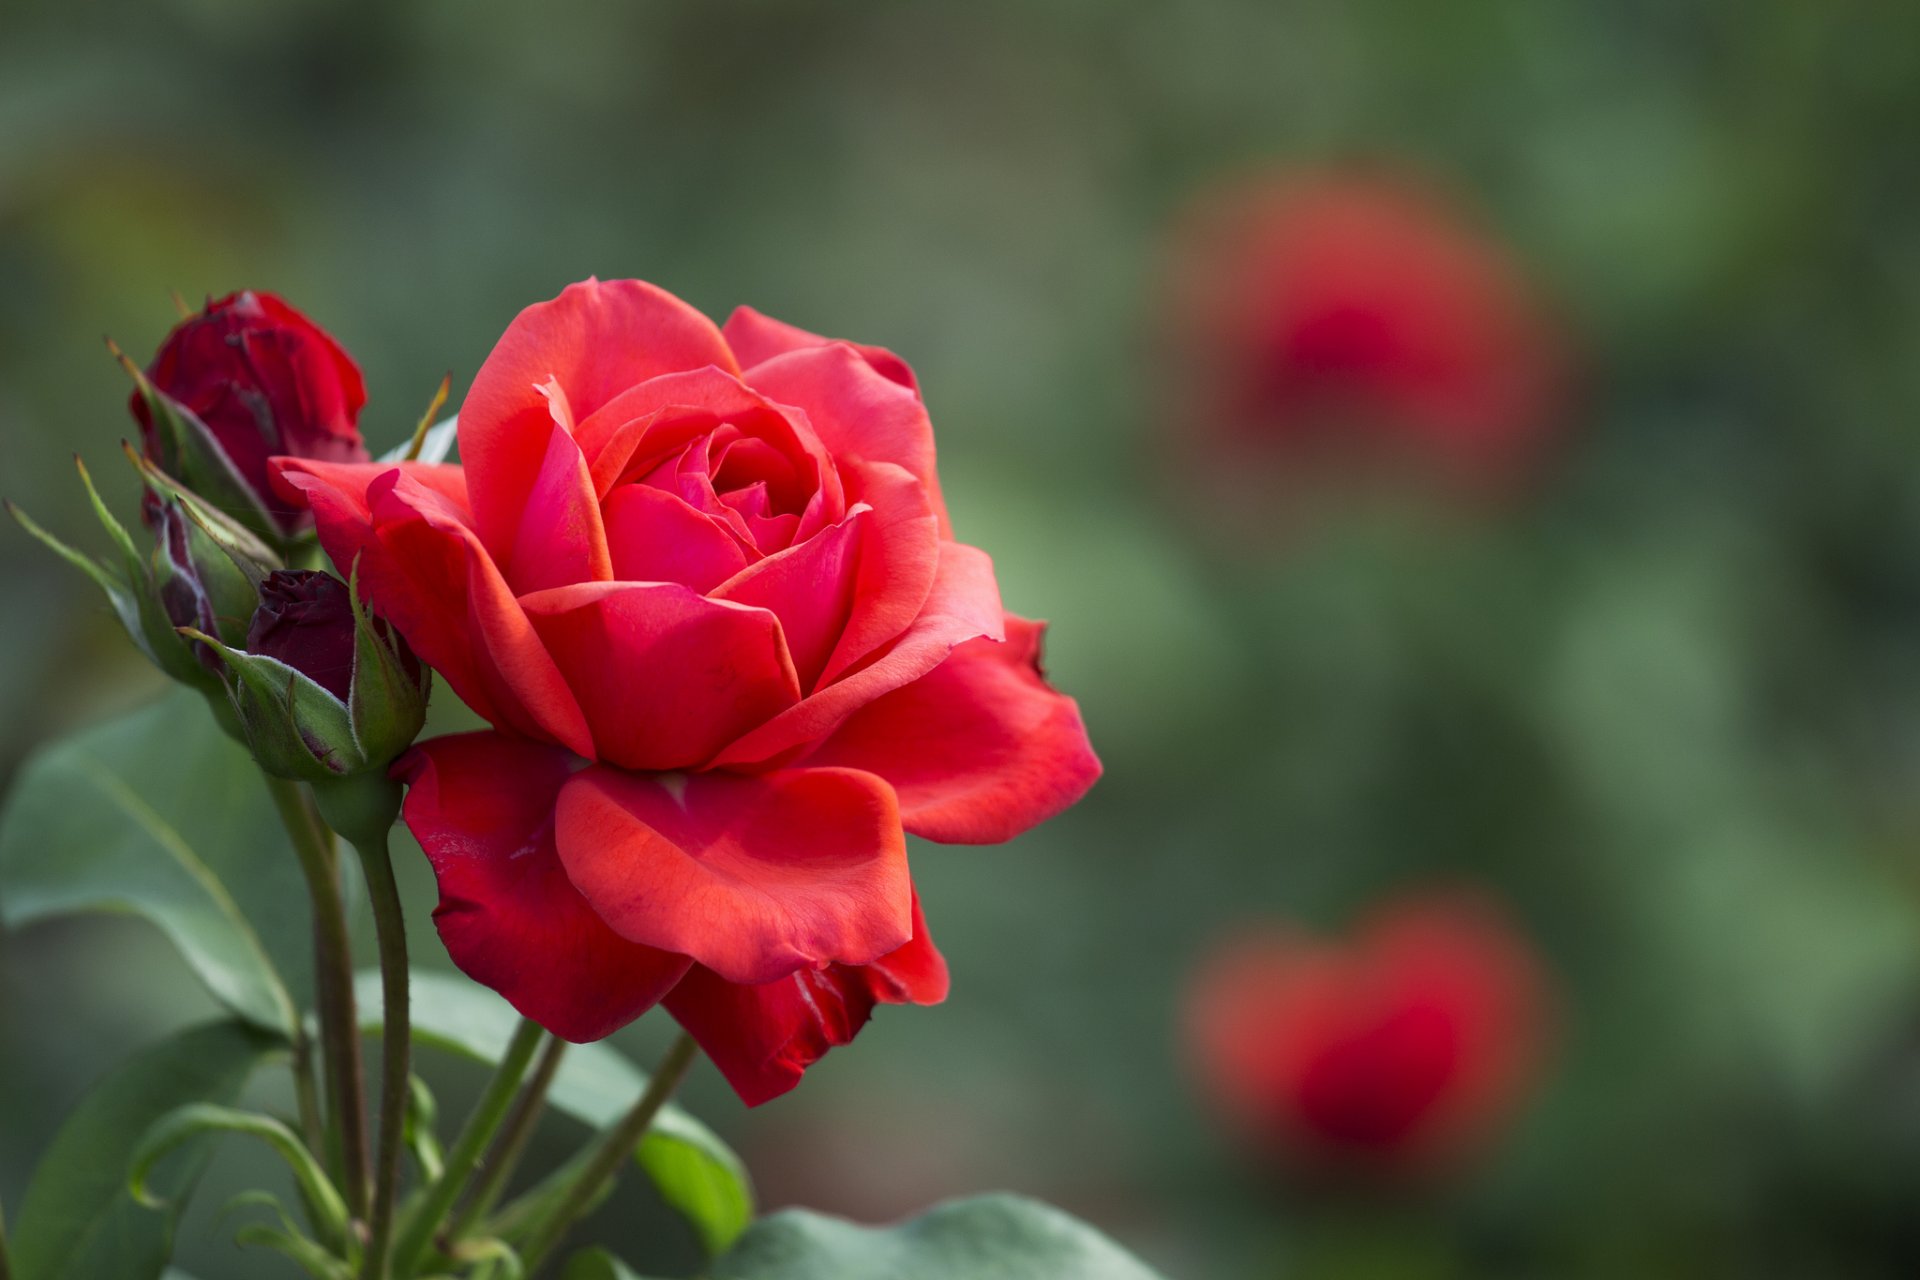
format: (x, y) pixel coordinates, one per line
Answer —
(753, 877)
(437, 585)
(656, 536)
(857, 412)
(979, 749)
(963, 605)
(407, 527)
(810, 588)
(596, 340)
(482, 807)
(763, 1038)
(560, 539)
(755, 337)
(899, 558)
(666, 676)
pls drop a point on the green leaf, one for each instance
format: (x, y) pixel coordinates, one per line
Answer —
(194, 1120)
(693, 1170)
(1002, 1236)
(78, 1219)
(139, 816)
(598, 1264)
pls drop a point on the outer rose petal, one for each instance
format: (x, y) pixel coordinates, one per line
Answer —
(753, 877)
(560, 539)
(481, 805)
(423, 568)
(763, 1038)
(755, 337)
(437, 582)
(666, 676)
(963, 605)
(856, 412)
(596, 340)
(979, 749)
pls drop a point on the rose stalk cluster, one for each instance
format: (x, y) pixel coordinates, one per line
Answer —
(701, 583)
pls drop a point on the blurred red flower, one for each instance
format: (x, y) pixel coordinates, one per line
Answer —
(1398, 1049)
(1342, 319)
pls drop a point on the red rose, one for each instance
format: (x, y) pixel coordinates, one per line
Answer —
(1397, 1049)
(1346, 318)
(704, 587)
(262, 379)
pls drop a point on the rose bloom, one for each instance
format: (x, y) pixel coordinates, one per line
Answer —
(1341, 320)
(265, 380)
(703, 585)
(1401, 1048)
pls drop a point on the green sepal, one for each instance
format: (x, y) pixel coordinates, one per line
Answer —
(388, 705)
(119, 593)
(296, 728)
(192, 452)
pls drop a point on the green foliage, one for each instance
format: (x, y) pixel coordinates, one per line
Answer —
(1002, 1236)
(153, 815)
(78, 1219)
(693, 1170)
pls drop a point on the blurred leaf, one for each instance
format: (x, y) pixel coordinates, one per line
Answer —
(598, 1264)
(144, 815)
(78, 1219)
(690, 1166)
(1007, 1237)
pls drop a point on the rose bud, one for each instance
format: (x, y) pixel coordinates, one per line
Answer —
(203, 572)
(325, 690)
(1346, 322)
(245, 380)
(1398, 1051)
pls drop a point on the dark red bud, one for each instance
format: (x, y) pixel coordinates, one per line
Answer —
(305, 620)
(265, 380)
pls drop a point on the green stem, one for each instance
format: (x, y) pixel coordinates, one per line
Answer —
(395, 1048)
(610, 1155)
(333, 983)
(305, 1096)
(513, 1139)
(417, 1232)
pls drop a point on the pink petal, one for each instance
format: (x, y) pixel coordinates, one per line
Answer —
(979, 749)
(763, 1038)
(754, 877)
(666, 676)
(482, 807)
(596, 340)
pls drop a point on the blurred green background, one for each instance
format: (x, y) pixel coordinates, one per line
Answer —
(1668, 703)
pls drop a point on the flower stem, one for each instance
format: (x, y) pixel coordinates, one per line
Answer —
(6, 1267)
(612, 1152)
(396, 1040)
(512, 1142)
(333, 983)
(426, 1216)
